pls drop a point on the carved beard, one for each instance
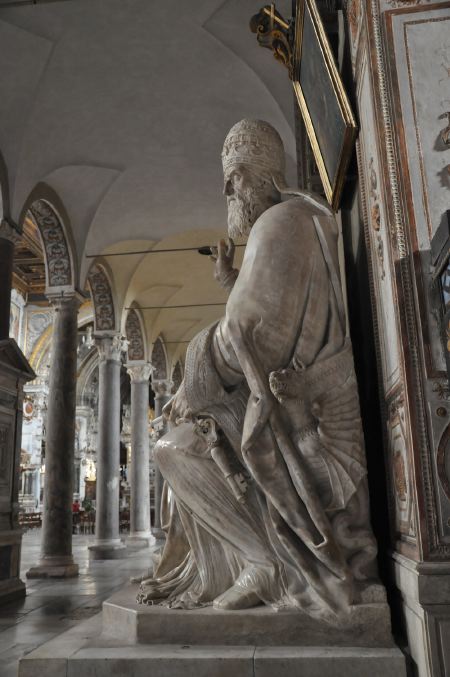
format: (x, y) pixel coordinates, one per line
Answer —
(243, 210)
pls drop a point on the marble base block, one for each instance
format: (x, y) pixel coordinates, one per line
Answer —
(13, 588)
(140, 540)
(54, 567)
(124, 618)
(107, 551)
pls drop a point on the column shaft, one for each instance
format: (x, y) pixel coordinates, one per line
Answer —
(107, 539)
(140, 528)
(56, 545)
(162, 396)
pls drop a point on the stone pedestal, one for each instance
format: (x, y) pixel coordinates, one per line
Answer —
(107, 540)
(14, 372)
(56, 547)
(140, 528)
(162, 390)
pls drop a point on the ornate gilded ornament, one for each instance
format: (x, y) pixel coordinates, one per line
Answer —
(274, 32)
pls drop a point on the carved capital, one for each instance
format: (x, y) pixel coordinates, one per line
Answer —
(162, 388)
(139, 373)
(9, 232)
(69, 300)
(110, 347)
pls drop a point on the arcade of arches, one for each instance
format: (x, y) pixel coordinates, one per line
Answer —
(112, 119)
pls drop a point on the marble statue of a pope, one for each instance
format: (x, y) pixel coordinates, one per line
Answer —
(265, 453)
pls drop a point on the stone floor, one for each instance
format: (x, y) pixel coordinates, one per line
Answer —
(52, 607)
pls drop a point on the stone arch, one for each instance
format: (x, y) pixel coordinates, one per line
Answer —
(103, 297)
(159, 361)
(135, 333)
(177, 376)
(46, 210)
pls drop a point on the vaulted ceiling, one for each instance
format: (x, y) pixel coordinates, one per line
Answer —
(121, 107)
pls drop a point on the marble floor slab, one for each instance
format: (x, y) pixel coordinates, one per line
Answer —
(52, 607)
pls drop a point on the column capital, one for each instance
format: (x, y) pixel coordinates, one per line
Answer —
(139, 372)
(162, 387)
(9, 232)
(110, 347)
(65, 299)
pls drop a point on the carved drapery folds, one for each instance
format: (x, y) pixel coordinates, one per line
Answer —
(59, 268)
(105, 317)
(135, 337)
(159, 361)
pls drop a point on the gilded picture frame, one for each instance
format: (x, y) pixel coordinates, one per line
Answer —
(322, 99)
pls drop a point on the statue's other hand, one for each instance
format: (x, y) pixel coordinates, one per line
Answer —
(223, 256)
(179, 407)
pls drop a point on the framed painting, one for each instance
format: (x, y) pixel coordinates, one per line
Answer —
(323, 102)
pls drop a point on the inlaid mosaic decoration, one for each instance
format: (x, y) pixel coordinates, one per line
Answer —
(133, 330)
(59, 269)
(105, 318)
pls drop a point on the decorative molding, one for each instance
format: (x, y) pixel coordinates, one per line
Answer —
(58, 267)
(135, 336)
(102, 299)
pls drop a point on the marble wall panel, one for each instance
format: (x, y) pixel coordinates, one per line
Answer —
(421, 42)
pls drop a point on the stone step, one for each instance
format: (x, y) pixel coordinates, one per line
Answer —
(84, 652)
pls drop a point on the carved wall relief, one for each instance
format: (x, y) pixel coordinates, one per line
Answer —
(58, 263)
(102, 298)
(159, 361)
(400, 464)
(355, 19)
(135, 338)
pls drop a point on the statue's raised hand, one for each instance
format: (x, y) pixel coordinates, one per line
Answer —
(177, 409)
(223, 256)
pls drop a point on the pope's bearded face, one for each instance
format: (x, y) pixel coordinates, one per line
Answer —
(248, 196)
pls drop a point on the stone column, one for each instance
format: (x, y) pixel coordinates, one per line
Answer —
(140, 531)
(107, 540)
(56, 545)
(162, 390)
